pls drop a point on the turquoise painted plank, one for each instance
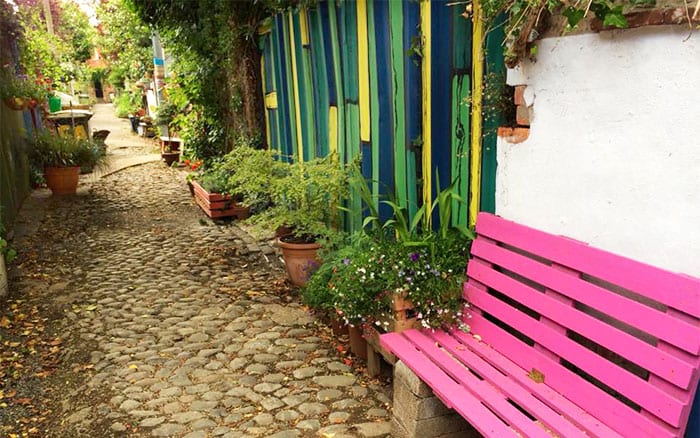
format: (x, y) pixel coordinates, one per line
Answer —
(320, 78)
(337, 65)
(495, 71)
(348, 31)
(291, 112)
(305, 90)
(281, 85)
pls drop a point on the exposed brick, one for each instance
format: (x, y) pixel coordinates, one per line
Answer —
(520, 94)
(522, 115)
(514, 135)
(645, 18)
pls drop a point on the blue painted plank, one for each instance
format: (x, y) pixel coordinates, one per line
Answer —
(323, 9)
(386, 142)
(441, 96)
(414, 107)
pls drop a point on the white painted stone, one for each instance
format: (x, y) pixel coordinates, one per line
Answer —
(612, 158)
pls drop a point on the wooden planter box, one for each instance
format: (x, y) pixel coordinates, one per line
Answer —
(400, 320)
(216, 205)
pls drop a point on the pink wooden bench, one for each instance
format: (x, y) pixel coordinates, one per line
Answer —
(567, 340)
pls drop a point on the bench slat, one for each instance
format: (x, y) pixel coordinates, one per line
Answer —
(677, 291)
(513, 390)
(547, 395)
(662, 364)
(652, 321)
(589, 397)
(493, 398)
(452, 393)
(627, 384)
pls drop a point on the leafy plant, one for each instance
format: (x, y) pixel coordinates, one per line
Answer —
(65, 151)
(305, 197)
(166, 113)
(5, 250)
(401, 257)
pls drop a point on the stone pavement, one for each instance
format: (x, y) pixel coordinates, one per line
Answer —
(124, 148)
(176, 326)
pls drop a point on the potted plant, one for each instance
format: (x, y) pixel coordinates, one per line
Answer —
(62, 157)
(210, 190)
(20, 93)
(305, 198)
(166, 120)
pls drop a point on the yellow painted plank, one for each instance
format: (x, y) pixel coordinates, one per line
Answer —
(268, 134)
(333, 129)
(265, 26)
(304, 25)
(271, 100)
(427, 109)
(477, 83)
(295, 86)
(363, 70)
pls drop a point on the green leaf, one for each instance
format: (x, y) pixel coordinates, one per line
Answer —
(573, 15)
(615, 18)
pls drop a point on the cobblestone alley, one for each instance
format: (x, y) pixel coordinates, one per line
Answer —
(132, 315)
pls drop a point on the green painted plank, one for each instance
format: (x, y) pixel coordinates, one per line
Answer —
(495, 71)
(461, 89)
(461, 40)
(338, 74)
(291, 114)
(397, 62)
(352, 123)
(374, 101)
(305, 90)
(320, 78)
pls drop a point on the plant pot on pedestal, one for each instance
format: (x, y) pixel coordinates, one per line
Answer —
(62, 180)
(300, 259)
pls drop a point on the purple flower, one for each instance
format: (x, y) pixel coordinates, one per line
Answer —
(415, 256)
(346, 261)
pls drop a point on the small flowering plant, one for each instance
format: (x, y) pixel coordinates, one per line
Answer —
(430, 276)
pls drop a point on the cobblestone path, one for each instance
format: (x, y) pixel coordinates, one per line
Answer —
(175, 326)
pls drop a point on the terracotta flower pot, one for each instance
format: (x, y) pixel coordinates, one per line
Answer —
(62, 180)
(301, 259)
(15, 103)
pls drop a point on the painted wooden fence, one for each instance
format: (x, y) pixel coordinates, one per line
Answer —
(388, 80)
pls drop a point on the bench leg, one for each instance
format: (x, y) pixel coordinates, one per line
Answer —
(418, 413)
(374, 361)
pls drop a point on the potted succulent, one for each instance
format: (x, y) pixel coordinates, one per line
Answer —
(305, 198)
(62, 157)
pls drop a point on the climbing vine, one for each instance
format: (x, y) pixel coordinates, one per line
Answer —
(527, 20)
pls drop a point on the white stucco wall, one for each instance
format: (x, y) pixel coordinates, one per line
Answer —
(613, 156)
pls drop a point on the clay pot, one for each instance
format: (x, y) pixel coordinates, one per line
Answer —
(339, 328)
(301, 259)
(170, 157)
(62, 180)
